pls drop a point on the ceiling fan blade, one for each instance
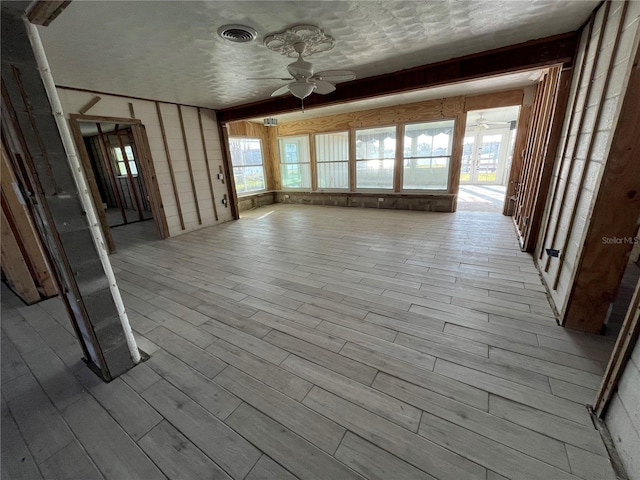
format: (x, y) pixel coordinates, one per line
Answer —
(268, 78)
(323, 87)
(281, 91)
(335, 76)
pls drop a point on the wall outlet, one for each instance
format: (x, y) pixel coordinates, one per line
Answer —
(221, 176)
(286, 197)
(380, 199)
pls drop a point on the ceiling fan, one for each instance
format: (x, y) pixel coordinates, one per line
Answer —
(482, 123)
(304, 81)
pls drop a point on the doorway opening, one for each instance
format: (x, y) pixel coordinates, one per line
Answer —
(486, 158)
(121, 178)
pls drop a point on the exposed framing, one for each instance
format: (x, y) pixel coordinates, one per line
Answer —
(592, 134)
(189, 167)
(146, 164)
(582, 116)
(170, 164)
(206, 163)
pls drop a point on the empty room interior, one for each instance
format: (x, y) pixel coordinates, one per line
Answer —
(276, 240)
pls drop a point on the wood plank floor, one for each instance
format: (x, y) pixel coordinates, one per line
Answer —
(313, 343)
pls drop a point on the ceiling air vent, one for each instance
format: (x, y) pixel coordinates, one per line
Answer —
(237, 33)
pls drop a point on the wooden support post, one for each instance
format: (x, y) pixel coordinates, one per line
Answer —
(171, 173)
(189, 167)
(613, 220)
(150, 179)
(592, 136)
(456, 156)
(132, 182)
(228, 170)
(627, 339)
(572, 163)
(18, 215)
(106, 158)
(207, 166)
(537, 202)
(15, 265)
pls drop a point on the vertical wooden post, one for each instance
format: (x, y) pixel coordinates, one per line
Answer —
(572, 163)
(193, 182)
(171, 173)
(112, 168)
(206, 163)
(592, 136)
(457, 148)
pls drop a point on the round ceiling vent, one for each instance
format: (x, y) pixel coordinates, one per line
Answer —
(237, 33)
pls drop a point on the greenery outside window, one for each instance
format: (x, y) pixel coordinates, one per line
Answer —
(248, 165)
(295, 162)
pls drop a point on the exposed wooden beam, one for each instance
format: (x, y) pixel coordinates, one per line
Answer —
(43, 12)
(89, 105)
(523, 56)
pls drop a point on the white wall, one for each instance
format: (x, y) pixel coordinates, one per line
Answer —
(581, 196)
(116, 106)
(623, 416)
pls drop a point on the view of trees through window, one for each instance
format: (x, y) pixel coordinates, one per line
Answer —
(295, 162)
(247, 162)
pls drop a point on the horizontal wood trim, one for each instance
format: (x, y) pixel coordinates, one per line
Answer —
(557, 49)
(412, 112)
(100, 118)
(44, 12)
(508, 98)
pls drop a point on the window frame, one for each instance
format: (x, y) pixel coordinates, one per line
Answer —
(308, 163)
(261, 165)
(427, 191)
(398, 127)
(130, 159)
(350, 138)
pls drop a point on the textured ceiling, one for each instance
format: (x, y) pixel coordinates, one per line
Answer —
(170, 51)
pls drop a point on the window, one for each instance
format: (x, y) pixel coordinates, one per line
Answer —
(427, 155)
(120, 161)
(248, 169)
(375, 157)
(332, 160)
(295, 164)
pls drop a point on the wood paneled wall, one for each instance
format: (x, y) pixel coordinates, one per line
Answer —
(584, 159)
(186, 151)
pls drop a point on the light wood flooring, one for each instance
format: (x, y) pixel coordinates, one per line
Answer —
(313, 343)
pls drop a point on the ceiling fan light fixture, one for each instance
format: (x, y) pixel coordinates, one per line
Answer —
(237, 33)
(301, 90)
